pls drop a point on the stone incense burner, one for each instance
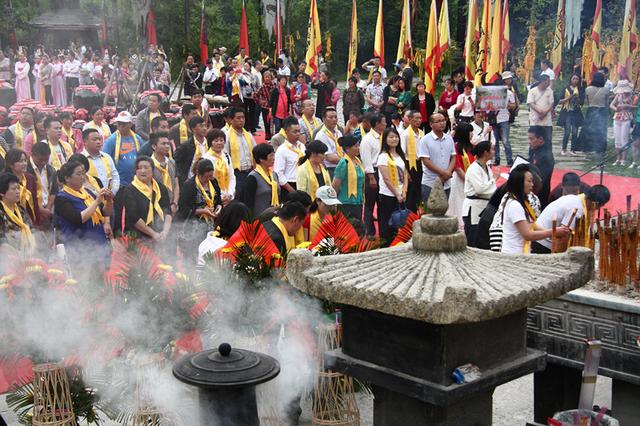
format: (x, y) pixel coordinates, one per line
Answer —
(413, 313)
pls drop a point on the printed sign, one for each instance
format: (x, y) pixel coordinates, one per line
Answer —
(491, 98)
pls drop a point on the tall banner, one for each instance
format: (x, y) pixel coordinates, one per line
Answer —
(483, 46)
(204, 37)
(506, 33)
(353, 40)
(595, 38)
(405, 46)
(314, 41)
(152, 34)
(432, 55)
(629, 42)
(471, 40)
(494, 68)
(378, 44)
(444, 32)
(558, 40)
(277, 31)
(244, 31)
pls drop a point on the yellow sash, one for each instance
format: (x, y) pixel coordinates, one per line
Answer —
(92, 182)
(315, 221)
(275, 199)
(465, 159)
(362, 132)
(96, 217)
(209, 199)
(335, 141)
(69, 136)
(66, 153)
(198, 154)
(412, 150)
(586, 222)
(164, 170)
(526, 248)
(235, 148)
(220, 170)
(92, 167)
(184, 131)
(295, 149)
(289, 241)
(152, 115)
(26, 198)
(3, 153)
(103, 128)
(118, 142)
(26, 237)
(352, 175)
(19, 136)
(283, 133)
(313, 179)
(393, 171)
(39, 184)
(153, 194)
(310, 127)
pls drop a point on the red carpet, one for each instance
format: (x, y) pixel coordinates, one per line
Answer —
(259, 137)
(619, 186)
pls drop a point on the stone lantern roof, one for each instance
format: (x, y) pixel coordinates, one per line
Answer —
(435, 278)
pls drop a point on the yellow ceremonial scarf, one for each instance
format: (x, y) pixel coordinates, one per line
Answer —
(289, 241)
(335, 141)
(26, 198)
(235, 148)
(26, 237)
(393, 171)
(315, 221)
(352, 175)
(412, 150)
(184, 131)
(96, 217)
(69, 136)
(362, 132)
(66, 153)
(153, 195)
(465, 159)
(3, 153)
(198, 154)
(220, 169)
(313, 179)
(526, 248)
(235, 86)
(586, 222)
(567, 93)
(104, 129)
(294, 148)
(269, 178)
(164, 170)
(209, 199)
(40, 184)
(119, 141)
(19, 136)
(92, 167)
(310, 127)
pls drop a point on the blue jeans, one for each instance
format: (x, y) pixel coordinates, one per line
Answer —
(277, 124)
(570, 130)
(501, 133)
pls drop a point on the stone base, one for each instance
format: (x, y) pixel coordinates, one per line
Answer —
(391, 408)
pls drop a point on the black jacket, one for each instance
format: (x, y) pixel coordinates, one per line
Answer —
(542, 158)
(273, 100)
(190, 199)
(183, 158)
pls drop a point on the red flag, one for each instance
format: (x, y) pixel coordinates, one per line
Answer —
(204, 37)
(244, 31)
(277, 33)
(152, 35)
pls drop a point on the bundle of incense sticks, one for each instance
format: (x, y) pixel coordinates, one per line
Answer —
(619, 238)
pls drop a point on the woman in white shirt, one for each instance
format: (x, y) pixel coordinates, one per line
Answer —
(466, 103)
(393, 181)
(479, 186)
(519, 227)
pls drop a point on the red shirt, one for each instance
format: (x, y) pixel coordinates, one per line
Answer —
(283, 105)
(460, 163)
(447, 100)
(423, 110)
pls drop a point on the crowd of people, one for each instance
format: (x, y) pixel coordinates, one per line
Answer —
(187, 185)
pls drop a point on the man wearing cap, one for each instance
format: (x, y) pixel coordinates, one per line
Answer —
(503, 125)
(123, 147)
(540, 101)
(144, 117)
(325, 203)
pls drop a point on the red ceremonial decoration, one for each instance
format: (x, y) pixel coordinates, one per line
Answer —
(244, 31)
(152, 35)
(204, 37)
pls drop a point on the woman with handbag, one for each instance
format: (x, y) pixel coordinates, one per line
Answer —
(479, 186)
(571, 115)
(393, 182)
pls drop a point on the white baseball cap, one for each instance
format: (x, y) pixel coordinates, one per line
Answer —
(327, 195)
(123, 117)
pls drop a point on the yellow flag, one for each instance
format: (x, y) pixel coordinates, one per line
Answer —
(558, 40)
(506, 32)
(353, 40)
(405, 46)
(595, 37)
(314, 41)
(432, 55)
(444, 33)
(629, 42)
(483, 47)
(378, 44)
(495, 59)
(471, 40)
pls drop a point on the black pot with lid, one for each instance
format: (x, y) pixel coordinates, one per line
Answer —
(226, 378)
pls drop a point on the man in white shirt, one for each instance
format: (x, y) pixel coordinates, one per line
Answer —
(308, 121)
(329, 134)
(409, 142)
(547, 69)
(374, 92)
(369, 152)
(71, 69)
(86, 71)
(239, 146)
(372, 65)
(562, 210)
(482, 131)
(210, 75)
(540, 102)
(288, 154)
(282, 68)
(438, 155)
(102, 165)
